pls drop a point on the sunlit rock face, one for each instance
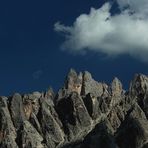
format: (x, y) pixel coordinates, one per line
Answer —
(84, 113)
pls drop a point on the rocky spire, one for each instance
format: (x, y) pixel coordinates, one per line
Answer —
(89, 85)
(73, 81)
(116, 87)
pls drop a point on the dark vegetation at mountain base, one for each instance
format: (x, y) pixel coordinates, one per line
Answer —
(83, 114)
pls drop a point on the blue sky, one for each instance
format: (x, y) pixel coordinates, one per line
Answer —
(30, 49)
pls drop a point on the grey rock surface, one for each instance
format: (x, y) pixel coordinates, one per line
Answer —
(83, 114)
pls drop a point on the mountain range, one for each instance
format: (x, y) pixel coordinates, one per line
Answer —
(84, 113)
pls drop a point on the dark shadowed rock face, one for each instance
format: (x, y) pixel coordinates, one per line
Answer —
(83, 114)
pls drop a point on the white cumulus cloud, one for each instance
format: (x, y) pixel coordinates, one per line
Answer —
(137, 6)
(99, 31)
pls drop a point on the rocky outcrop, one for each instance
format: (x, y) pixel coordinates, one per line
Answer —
(84, 113)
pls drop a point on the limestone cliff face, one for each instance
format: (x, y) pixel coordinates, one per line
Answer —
(83, 114)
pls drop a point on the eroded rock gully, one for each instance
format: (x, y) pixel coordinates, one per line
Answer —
(83, 114)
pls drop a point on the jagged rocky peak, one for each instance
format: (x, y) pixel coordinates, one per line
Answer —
(83, 83)
(7, 130)
(89, 85)
(116, 87)
(139, 91)
(84, 113)
(139, 85)
(73, 81)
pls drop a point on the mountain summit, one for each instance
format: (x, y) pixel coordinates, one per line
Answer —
(83, 114)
